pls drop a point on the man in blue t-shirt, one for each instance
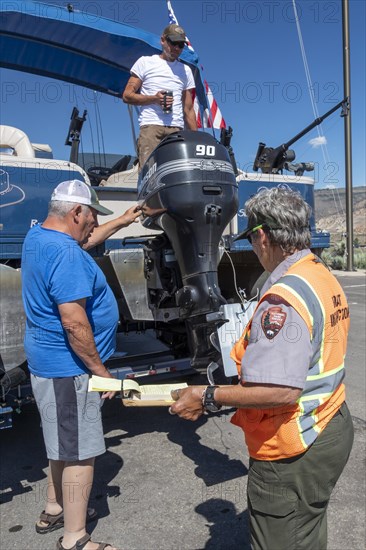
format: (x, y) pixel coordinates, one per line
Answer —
(71, 325)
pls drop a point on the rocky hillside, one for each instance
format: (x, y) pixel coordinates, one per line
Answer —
(330, 211)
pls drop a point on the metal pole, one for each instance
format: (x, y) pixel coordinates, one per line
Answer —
(130, 112)
(347, 135)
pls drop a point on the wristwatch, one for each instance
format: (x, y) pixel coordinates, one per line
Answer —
(208, 400)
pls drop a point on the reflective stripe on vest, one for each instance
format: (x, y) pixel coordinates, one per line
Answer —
(320, 384)
(282, 432)
(305, 294)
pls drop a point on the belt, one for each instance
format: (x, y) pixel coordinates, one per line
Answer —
(339, 410)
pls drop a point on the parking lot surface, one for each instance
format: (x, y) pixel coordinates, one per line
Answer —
(165, 483)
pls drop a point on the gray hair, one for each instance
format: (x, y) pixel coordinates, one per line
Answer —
(285, 216)
(60, 209)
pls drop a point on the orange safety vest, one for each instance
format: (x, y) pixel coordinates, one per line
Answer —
(286, 431)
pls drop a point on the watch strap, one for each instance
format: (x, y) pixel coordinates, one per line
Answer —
(208, 399)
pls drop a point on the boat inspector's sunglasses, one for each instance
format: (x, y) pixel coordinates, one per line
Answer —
(249, 232)
(179, 44)
(253, 230)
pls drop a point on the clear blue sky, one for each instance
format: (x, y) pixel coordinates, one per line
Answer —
(251, 57)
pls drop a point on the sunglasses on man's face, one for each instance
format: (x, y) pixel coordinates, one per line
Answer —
(179, 44)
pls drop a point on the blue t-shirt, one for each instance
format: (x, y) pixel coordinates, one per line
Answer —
(56, 270)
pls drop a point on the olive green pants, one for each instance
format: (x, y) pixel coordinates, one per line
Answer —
(288, 499)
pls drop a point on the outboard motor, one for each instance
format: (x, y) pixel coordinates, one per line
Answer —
(187, 188)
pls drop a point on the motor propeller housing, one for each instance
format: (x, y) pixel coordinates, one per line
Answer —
(187, 188)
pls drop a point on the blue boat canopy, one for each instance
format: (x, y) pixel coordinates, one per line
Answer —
(68, 45)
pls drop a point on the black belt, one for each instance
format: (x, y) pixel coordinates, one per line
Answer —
(339, 410)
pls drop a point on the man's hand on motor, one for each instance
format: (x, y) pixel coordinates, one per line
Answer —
(131, 215)
(188, 402)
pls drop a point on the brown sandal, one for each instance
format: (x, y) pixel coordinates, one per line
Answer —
(80, 544)
(57, 521)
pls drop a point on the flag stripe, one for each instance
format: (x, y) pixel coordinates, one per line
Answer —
(212, 116)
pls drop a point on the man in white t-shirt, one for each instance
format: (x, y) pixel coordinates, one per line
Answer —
(151, 76)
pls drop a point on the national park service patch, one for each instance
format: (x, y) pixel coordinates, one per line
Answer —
(272, 321)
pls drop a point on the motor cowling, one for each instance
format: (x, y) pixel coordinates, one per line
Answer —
(187, 188)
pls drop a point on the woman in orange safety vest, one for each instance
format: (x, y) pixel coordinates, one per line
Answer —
(291, 397)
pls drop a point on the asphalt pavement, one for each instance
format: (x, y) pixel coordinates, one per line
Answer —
(165, 483)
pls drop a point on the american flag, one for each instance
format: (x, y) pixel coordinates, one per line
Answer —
(209, 115)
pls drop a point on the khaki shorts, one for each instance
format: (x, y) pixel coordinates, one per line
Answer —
(150, 137)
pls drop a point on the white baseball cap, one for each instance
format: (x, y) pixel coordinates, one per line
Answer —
(79, 192)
